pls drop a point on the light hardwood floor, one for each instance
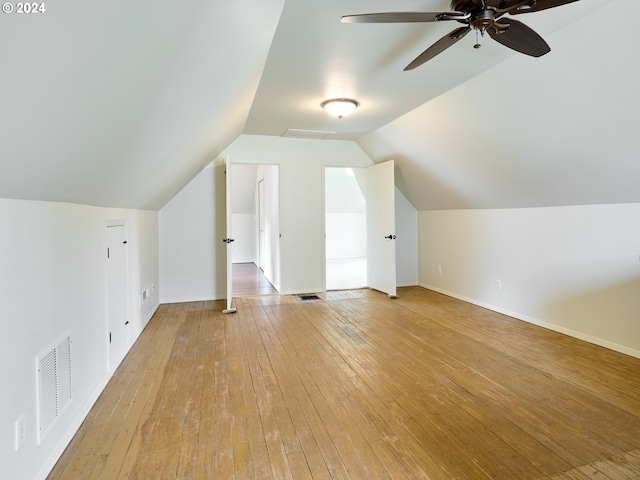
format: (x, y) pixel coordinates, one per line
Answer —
(250, 280)
(359, 386)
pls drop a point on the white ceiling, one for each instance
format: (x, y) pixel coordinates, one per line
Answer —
(553, 131)
(314, 57)
(120, 104)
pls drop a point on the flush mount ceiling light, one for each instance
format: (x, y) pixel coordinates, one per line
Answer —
(339, 107)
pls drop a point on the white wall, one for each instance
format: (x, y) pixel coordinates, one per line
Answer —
(345, 213)
(243, 193)
(572, 269)
(346, 234)
(301, 163)
(53, 274)
(192, 226)
(301, 209)
(244, 245)
(193, 221)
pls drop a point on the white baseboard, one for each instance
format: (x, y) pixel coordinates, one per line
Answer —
(193, 299)
(82, 414)
(541, 323)
(72, 430)
(150, 315)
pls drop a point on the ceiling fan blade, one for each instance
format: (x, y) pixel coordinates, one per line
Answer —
(403, 17)
(438, 47)
(517, 36)
(541, 5)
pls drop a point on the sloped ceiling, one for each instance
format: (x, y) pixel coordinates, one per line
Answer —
(120, 103)
(315, 57)
(558, 130)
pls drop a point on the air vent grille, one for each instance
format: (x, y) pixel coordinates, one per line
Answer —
(48, 391)
(306, 298)
(55, 389)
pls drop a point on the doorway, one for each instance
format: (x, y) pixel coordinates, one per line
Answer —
(345, 228)
(255, 223)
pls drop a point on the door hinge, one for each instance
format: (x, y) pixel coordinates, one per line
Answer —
(109, 337)
(107, 252)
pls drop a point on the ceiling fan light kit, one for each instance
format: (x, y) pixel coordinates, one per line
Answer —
(478, 15)
(340, 107)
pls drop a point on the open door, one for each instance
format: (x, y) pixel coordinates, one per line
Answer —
(261, 237)
(229, 237)
(381, 228)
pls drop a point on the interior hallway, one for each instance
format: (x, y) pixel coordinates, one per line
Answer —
(341, 274)
(358, 386)
(248, 279)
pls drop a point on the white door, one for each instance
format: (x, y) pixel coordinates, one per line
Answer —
(229, 239)
(261, 231)
(381, 228)
(117, 294)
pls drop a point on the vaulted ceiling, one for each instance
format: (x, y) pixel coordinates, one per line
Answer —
(121, 103)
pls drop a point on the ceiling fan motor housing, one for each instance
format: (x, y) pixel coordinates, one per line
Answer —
(482, 20)
(466, 5)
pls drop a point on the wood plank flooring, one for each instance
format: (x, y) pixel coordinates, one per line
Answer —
(359, 386)
(250, 280)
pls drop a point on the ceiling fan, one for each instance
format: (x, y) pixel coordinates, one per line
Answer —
(481, 16)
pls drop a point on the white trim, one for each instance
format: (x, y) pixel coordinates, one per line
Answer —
(304, 291)
(541, 323)
(66, 438)
(221, 296)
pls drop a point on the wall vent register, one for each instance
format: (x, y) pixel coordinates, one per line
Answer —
(306, 298)
(55, 389)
